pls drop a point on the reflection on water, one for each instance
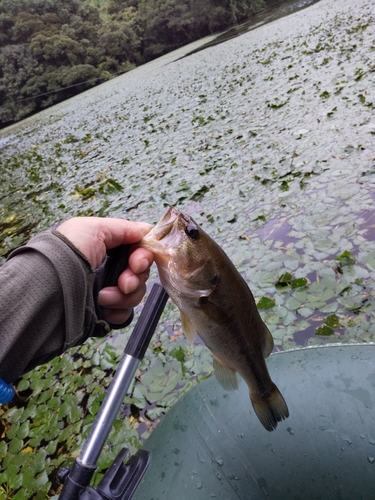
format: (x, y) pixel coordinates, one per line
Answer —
(276, 230)
(368, 224)
(264, 17)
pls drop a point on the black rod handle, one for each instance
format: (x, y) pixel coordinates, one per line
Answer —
(147, 322)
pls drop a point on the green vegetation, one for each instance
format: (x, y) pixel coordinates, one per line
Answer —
(49, 421)
(51, 50)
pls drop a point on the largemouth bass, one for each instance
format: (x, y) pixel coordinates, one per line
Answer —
(216, 303)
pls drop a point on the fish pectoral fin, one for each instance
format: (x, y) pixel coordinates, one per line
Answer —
(192, 292)
(182, 282)
(268, 342)
(182, 285)
(188, 328)
(213, 312)
(226, 377)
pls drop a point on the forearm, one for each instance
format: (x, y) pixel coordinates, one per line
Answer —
(46, 304)
(50, 295)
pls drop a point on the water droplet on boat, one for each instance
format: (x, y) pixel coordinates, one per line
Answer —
(200, 485)
(371, 441)
(347, 439)
(290, 430)
(370, 459)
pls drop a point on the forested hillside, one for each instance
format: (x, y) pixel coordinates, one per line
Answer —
(51, 50)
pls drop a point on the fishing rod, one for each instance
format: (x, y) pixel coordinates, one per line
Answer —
(121, 480)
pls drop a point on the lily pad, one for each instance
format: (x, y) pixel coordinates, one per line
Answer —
(324, 330)
(266, 303)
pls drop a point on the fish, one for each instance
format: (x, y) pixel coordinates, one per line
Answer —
(216, 304)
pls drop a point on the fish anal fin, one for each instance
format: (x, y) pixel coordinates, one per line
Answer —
(268, 342)
(270, 410)
(188, 328)
(226, 377)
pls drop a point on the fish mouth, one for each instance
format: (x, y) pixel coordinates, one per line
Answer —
(164, 233)
(165, 224)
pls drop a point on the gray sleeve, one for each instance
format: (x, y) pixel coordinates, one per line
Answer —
(46, 303)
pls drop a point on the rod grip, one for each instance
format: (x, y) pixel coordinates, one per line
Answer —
(147, 322)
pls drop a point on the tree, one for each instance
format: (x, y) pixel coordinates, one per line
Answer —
(18, 66)
(26, 25)
(51, 50)
(119, 40)
(242, 9)
(57, 50)
(6, 24)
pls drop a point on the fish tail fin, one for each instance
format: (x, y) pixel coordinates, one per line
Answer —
(270, 410)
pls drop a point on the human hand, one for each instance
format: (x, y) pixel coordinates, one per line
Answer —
(93, 236)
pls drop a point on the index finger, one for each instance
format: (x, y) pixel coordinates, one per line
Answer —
(115, 232)
(94, 235)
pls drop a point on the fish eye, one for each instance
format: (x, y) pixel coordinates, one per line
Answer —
(192, 232)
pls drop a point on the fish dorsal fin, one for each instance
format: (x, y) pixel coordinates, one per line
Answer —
(268, 342)
(188, 328)
(226, 377)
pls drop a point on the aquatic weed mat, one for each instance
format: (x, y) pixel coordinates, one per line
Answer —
(268, 141)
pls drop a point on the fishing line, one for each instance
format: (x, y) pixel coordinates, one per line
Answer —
(68, 87)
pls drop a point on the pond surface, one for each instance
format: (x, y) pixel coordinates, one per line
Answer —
(268, 141)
